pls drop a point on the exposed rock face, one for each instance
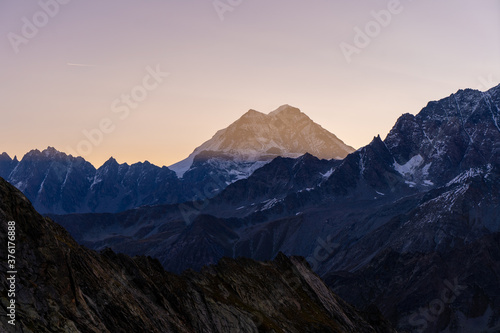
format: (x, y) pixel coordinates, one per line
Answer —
(257, 137)
(449, 136)
(63, 287)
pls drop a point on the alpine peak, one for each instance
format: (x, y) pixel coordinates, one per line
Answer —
(285, 110)
(259, 137)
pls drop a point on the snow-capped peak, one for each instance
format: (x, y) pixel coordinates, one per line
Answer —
(256, 136)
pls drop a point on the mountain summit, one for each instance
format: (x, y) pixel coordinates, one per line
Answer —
(257, 137)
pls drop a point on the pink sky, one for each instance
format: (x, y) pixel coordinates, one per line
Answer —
(71, 75)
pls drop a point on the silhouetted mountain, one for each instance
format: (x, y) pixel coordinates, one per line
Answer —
(58, 183)
(7, 164)
(63, 287)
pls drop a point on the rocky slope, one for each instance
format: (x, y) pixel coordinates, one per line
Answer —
(61, 286)
(455, 290)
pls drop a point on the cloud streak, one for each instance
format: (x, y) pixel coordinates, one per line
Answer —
(80, 65)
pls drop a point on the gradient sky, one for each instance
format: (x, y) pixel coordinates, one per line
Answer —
(264, 53)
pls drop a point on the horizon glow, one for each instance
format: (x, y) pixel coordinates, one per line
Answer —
(71, 72)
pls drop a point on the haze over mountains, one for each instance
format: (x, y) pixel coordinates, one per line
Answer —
(57, 183)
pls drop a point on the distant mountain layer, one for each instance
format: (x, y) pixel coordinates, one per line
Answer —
(387, 225)
(63, 287)
(60, 184)
(285, 132)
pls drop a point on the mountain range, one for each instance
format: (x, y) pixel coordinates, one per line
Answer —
(408, 224)
(57, 183)
(395, 223)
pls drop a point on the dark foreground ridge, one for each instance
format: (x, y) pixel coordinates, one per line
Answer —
(64, 287)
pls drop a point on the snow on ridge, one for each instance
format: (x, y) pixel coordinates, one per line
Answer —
(21, 186)
(96, 179)
(409, 167)
(268, 204)
(327, 174)
(68, 171)
(448, 199)
(40, 189)
(414, 171)
(467, 174)
(181, 167)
